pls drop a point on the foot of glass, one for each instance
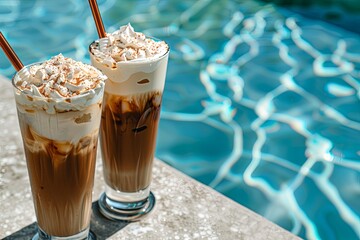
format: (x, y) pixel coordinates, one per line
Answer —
(84, 235)
(126, 211)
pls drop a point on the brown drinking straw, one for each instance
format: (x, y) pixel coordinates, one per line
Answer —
(97, 17)
(15, 61)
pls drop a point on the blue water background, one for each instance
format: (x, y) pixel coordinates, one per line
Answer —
(261, 103)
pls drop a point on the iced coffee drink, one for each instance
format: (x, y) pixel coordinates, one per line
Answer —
(59, 108)
(136, 67)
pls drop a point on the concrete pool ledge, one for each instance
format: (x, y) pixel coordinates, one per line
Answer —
(185, 208)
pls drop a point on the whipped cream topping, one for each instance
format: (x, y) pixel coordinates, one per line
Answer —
(127, 45)
(58, 85)
(60, 77)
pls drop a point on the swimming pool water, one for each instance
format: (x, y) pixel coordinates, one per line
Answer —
(261, 103)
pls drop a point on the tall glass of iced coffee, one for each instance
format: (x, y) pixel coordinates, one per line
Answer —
(136, 68)
(59, 108)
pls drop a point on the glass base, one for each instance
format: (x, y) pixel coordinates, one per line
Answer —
(126, 211)
(84, 235)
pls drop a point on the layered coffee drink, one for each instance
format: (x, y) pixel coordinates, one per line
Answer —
(136, 68)
(128, 133)
(59, 108)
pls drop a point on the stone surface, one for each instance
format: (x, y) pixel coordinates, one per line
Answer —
(185, 208)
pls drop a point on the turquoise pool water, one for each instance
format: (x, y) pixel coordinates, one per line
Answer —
(261, 103)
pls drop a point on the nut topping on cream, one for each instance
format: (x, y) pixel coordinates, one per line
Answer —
(127, 45)
(60, 77)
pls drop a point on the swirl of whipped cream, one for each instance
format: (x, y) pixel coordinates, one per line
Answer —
(59, 84)
(127, 45)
